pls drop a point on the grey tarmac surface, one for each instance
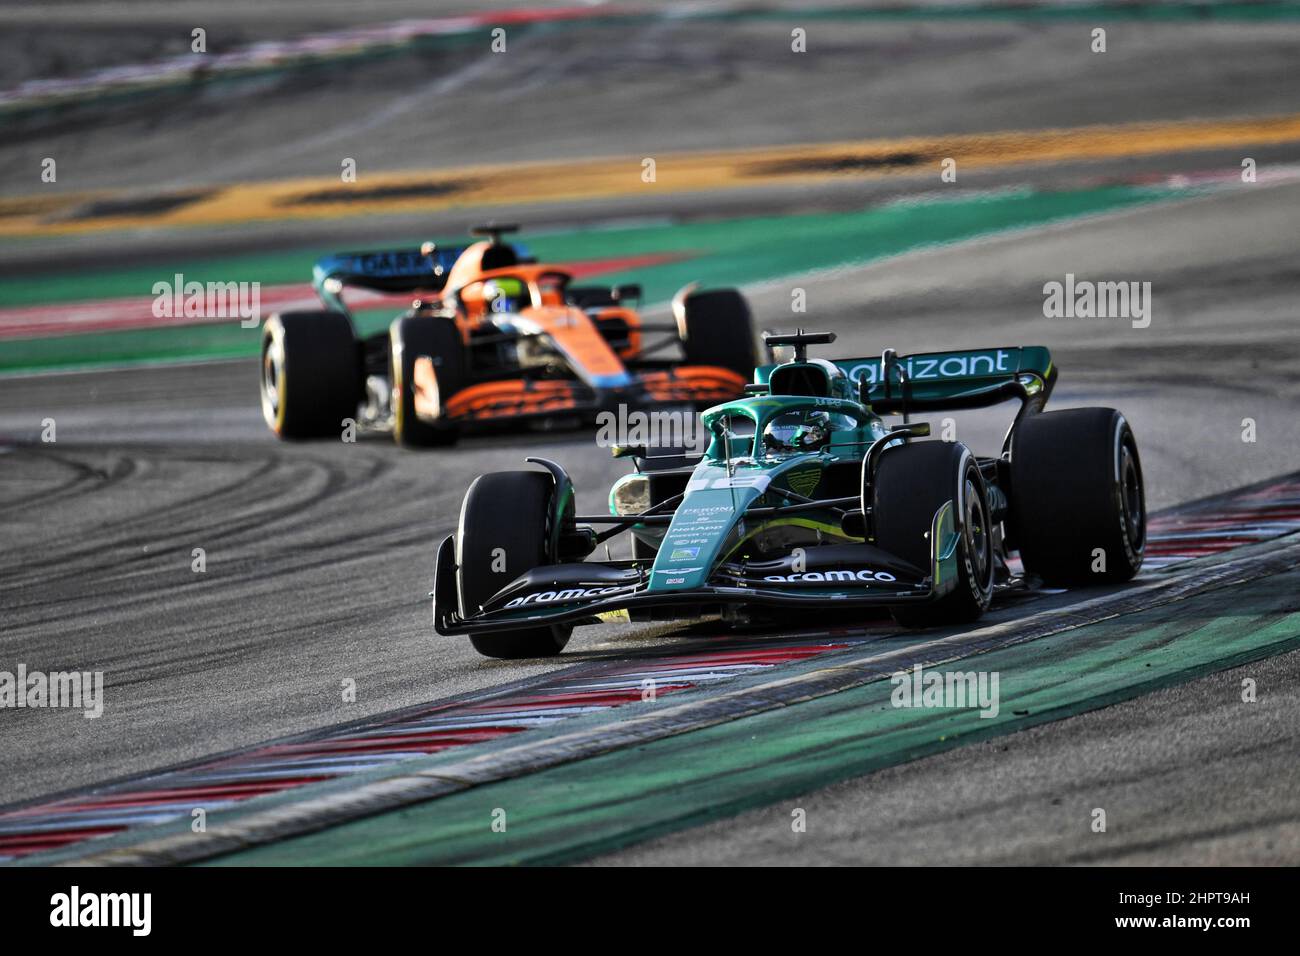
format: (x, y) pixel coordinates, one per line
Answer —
(319, 556)
(568, 91)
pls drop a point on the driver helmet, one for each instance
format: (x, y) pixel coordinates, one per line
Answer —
(797, 431)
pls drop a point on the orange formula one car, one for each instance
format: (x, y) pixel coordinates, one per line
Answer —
(493, 337)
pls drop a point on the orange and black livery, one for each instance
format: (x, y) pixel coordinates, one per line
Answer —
(492, 338)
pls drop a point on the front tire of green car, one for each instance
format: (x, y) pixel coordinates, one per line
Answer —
(504, 532)
(914, 481)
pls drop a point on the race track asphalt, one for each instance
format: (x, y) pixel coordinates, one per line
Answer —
(319, 556)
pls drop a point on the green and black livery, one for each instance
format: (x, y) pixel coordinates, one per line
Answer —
(806, 497)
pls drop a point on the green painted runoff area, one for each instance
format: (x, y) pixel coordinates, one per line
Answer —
(728, 252)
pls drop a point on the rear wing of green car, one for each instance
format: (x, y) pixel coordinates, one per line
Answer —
(933, 381)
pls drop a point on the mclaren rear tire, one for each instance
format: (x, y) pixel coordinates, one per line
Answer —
(1078, 504)
(716, 329)
(311, 374)
(913, 482)
(505, 531)
(439, 340)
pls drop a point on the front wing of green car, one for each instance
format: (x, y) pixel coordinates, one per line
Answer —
(848, 575)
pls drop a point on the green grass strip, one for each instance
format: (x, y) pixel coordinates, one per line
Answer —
(723, 252)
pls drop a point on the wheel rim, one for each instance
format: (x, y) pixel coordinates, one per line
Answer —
(1131, 498)
(976, 532)
(272, 371)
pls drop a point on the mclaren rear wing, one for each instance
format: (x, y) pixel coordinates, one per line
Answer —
(392, 270)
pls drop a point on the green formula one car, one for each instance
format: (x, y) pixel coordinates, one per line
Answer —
(806, 499)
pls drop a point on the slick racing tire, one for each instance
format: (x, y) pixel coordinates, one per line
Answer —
(311, 373)
(914, 481)
(505, 531)
(1078, 505)
(716, 329)
(411, 337)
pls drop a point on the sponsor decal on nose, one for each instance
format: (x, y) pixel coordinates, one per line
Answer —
(831, 577)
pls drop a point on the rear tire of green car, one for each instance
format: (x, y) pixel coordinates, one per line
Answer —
(1078, 504)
